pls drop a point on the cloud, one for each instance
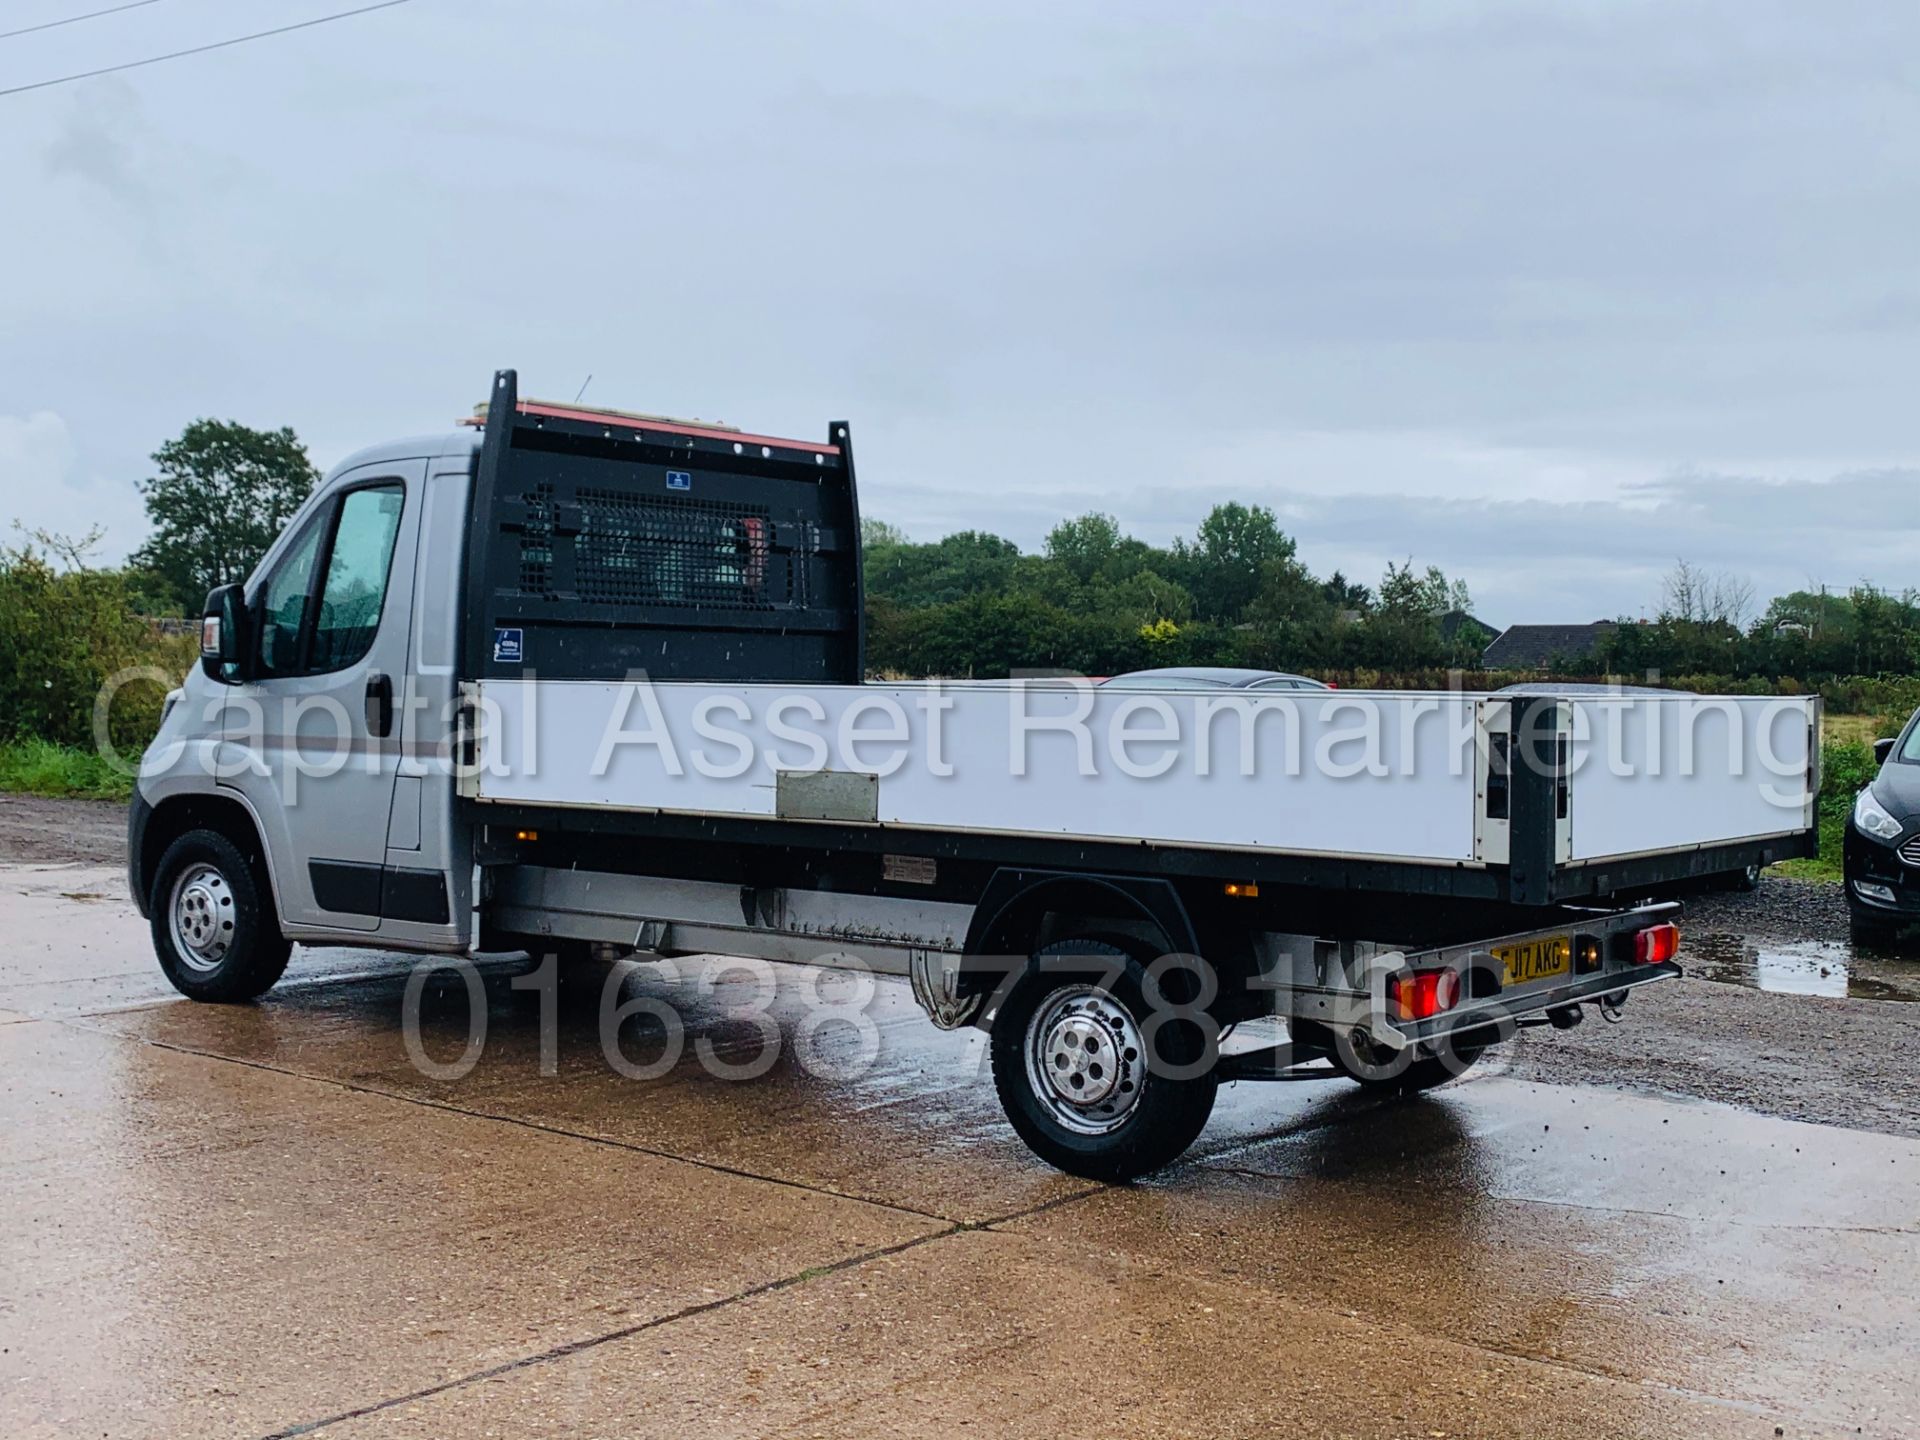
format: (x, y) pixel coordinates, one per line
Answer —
(35, 450)
(1546, 295)
(96, 145)
(42, 487)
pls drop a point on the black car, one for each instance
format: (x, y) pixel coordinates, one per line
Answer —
(1882, 851)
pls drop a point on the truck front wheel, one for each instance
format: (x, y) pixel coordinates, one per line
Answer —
(1090, 1076)
(215, 932)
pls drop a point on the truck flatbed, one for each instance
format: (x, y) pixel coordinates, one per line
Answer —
(1399, 791)
(710, 577)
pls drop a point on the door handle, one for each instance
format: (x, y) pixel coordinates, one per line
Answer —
(379, 704)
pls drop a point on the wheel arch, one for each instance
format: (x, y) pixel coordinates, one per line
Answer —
(171, 818)
(1021, 910)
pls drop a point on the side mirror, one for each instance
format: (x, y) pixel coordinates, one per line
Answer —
(225, 635)
(1881, 750)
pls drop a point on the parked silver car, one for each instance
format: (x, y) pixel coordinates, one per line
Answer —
(1192, 677)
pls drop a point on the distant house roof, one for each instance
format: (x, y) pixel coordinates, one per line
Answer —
(1529, 647)
(1456, 621)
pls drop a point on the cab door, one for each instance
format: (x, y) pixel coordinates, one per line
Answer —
(312, 734)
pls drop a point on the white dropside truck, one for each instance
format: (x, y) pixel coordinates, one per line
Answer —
(582, 681)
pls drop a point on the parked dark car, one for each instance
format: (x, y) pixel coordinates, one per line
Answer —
(1881, 856)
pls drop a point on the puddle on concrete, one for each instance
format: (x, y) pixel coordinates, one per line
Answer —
(1828, 968)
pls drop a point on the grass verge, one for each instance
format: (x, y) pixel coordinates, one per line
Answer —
(40, 767)
(1853, 729)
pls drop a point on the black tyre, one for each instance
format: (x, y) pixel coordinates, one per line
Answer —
(1744, 880)
(1375, 1068)
(1090, 1080)
(214, 926)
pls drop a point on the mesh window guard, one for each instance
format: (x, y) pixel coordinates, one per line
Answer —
(652, 550)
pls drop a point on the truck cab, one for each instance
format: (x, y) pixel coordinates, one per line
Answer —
(316, 731)
(320, 734)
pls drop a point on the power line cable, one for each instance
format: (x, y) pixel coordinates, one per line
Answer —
(201, 49)
(75, 19)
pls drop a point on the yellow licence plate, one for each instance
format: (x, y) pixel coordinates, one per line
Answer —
(1535, 959)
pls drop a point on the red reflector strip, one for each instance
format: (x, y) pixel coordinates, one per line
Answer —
(1422, 994)
(670, 427)
(1656, 945)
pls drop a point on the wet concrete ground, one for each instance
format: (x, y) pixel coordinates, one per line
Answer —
(1832, 969)
(271, 1221)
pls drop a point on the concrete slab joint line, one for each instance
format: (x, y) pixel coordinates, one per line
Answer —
(594, 1342)
(516, 1121)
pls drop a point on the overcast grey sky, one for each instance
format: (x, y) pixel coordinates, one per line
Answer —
(1546, 294)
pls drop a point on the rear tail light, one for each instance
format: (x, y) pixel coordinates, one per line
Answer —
(1656, 944)
(1422, 994)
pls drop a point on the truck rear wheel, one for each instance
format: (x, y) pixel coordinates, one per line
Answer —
(215, 932)
(1092, 1080)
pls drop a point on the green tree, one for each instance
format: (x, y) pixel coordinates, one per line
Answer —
(220, 494)
(1232, 550)
(64, 630)
(1084, 546)
(1345, 594)
(875, 533)
(1295, 620)
(1884, 639)
(971, 562)
(1404, 593)
(1404, 630)
(1143, 598)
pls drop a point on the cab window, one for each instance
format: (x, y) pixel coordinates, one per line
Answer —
(355, 589)
(283, 605)
(320, 607)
